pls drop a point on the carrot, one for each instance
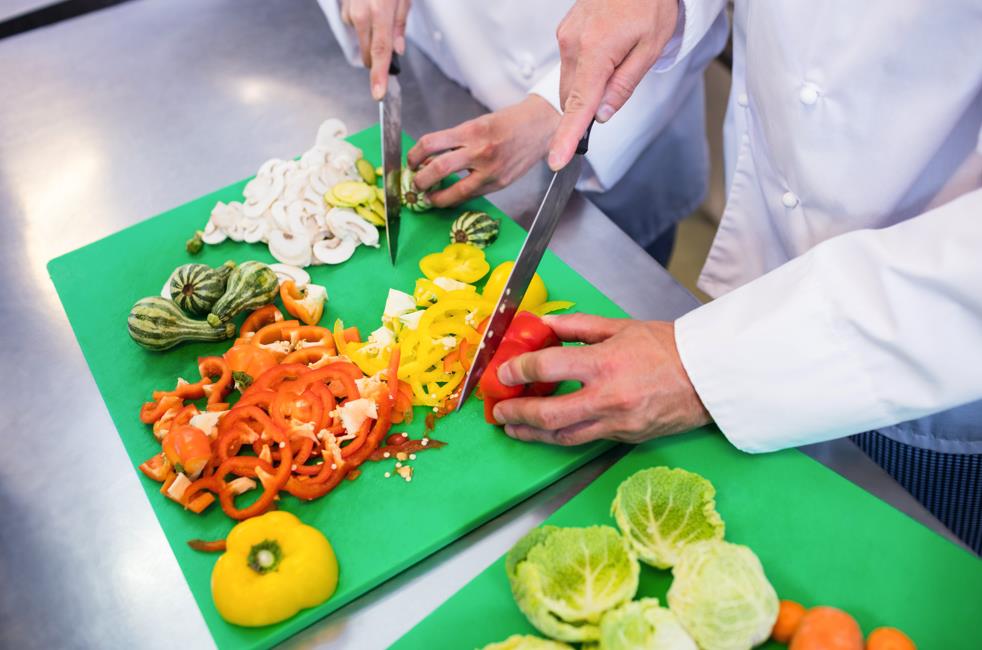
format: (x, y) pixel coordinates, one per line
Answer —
(827, 628)
(889, 638)
(788, 617)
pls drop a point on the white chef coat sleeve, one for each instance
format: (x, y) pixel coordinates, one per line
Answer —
(867, 329)
(696, 19)
(345, 34)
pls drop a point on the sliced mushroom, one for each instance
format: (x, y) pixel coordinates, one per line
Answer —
(293, 249)
(286, 272)
(335, 250)
(254, 230)
(344, 222)
(212, 234)
(329, 131)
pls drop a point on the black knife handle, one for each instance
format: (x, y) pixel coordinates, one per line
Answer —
(394, 64)
(584, 143)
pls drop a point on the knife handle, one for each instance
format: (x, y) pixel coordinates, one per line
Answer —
(394, 67)
(584, 143)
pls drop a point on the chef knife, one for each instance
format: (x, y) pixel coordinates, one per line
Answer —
(390, 117)
(543, 226)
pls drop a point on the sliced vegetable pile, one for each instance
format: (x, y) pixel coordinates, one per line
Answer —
(438, 328)
(284, 206)
(578, 584)
(305, 428)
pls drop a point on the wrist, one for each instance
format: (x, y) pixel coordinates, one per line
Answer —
(695, 412)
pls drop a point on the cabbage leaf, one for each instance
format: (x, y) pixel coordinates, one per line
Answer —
(564, 579)
(643, 625)
(661, 510)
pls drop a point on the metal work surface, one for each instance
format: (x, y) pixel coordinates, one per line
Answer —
(119, 115)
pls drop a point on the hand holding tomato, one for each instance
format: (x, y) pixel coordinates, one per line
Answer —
(634, 385)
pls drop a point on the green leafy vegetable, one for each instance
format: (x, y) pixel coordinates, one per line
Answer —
(643, 625)
(564, 579)
(527, 642)
(660, 511)
(722, 597)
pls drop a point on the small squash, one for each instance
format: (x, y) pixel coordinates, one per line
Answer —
(250, 286)
(157, 324)
(412, 198)
(474, 228)
(196, 287)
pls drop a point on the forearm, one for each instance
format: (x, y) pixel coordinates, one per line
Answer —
(866, 330)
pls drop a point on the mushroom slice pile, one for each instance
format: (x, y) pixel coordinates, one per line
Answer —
(283, 206)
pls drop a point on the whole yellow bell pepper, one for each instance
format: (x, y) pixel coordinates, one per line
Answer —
(273, 567)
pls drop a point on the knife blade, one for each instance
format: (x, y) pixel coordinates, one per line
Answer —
(390, 118)
(540, 233)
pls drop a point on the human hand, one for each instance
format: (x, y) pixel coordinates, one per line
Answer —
(634, 385)
(381, 28)
(496, 149)
(606, 47)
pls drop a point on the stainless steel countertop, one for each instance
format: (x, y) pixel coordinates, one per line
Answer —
(122, 114)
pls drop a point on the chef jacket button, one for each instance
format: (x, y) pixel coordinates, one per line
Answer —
(742, 99)
(808, 94)
(789, 200)
(527, 69)
(438, 36)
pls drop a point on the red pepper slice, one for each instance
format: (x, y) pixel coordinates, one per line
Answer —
(156, 468)
(259, 319)
(211, 366)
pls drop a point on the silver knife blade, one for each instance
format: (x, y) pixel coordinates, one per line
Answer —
(543, 226)
(390, 118)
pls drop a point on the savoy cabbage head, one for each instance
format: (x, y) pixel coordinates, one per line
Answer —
(660, 511)
(722, 597)
(643, 625)
(564, 579)
(527, 642)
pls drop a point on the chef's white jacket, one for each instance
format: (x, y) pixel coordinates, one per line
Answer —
(848, 264)
(503, 50)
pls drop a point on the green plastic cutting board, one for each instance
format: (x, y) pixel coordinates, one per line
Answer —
(378, 526)
(821, 539)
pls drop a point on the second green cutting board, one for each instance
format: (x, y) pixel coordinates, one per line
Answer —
(822, 541)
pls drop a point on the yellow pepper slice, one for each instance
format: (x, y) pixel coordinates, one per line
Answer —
(273, 566)
(461, 262)
(535, 295)
(551, 306)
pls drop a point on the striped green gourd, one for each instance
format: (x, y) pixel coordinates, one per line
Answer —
(475, 228)
(412, 198)
(157, 324)
(250, 286)
(196, 287)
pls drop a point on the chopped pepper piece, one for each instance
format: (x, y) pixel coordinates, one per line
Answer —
(307, 304)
